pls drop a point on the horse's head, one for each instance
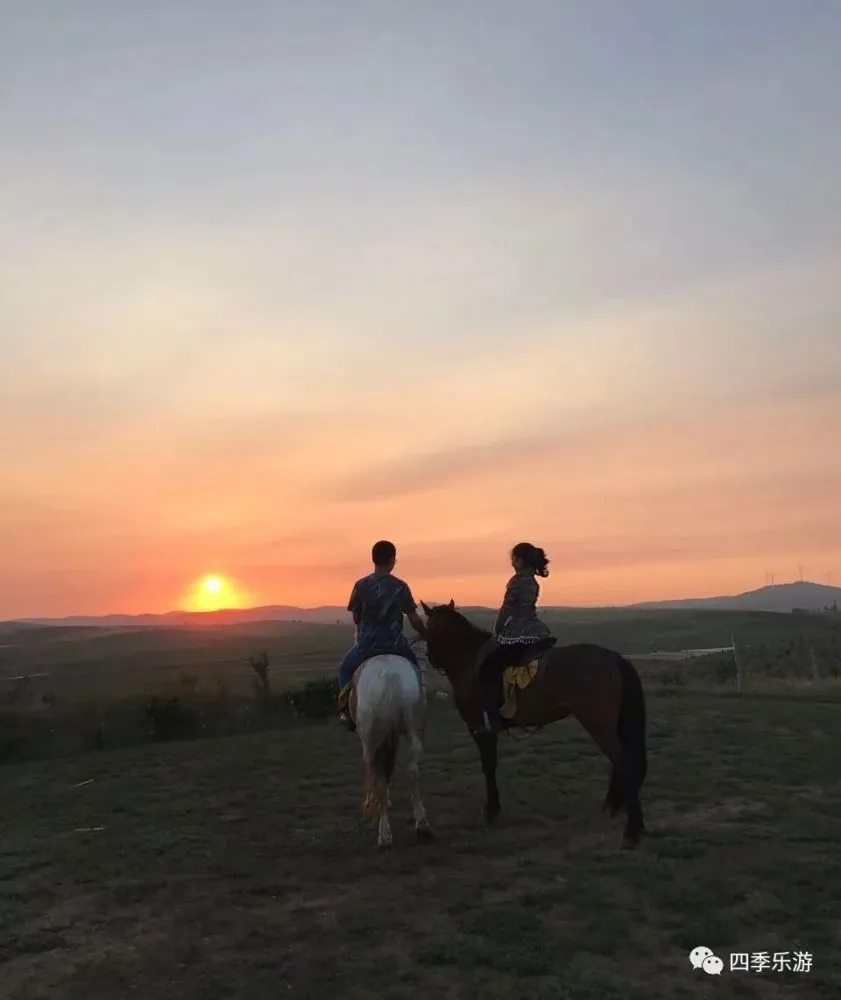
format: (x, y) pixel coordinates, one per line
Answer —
(439, 609)
(451, 640)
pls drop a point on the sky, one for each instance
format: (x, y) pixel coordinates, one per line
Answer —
(278, 280)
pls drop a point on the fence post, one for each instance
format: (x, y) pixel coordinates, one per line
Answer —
(738, 663)
(816, 674)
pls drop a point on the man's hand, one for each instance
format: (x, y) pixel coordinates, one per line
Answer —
(417, 623)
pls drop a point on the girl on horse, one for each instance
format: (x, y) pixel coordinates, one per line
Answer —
(518, 628)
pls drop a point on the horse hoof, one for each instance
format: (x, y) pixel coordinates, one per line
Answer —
(424, 834)
(491, 813)
(383, 845)
(631, 840)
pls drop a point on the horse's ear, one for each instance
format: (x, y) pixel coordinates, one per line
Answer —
(426, 609)
(452, 603)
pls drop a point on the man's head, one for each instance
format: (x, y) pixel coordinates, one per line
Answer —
(384, 555)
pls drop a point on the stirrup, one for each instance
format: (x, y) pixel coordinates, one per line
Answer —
(491, 722)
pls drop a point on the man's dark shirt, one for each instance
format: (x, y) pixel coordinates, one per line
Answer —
(378, 602)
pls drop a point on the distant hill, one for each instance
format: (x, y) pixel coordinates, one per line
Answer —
(782, 598)
(197, 619)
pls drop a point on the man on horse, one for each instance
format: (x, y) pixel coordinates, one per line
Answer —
(378, 603)
(518, 628)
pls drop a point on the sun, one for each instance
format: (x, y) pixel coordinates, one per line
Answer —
(213, 592)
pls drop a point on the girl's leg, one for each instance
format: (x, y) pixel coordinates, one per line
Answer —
(490, 669)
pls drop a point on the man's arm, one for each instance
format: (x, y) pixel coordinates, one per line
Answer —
(410, 610)
(354, 605)
(417, 623)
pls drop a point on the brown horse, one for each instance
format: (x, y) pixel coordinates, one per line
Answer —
(596, 685)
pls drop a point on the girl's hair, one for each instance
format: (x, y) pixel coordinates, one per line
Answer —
(532, 556)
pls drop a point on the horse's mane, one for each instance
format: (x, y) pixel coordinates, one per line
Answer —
(462, 626)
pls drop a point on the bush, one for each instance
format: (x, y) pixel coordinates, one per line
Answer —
(64, 729)
(315, 700)
(673, 676)
(171, 719)
(260, 665)
(17, 731)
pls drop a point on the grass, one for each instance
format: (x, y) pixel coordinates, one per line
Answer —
(86, 662)
(125, 663)
(85, 700)
(240, 867)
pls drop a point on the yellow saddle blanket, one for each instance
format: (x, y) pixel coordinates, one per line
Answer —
(516, 679)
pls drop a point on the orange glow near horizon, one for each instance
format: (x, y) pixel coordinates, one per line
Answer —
(641, 510)
(213, 593)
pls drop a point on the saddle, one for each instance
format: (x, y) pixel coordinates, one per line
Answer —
(518, 674)
(522, 655)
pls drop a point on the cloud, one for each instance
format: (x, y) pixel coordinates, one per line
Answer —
(437, 470)
(740, 442)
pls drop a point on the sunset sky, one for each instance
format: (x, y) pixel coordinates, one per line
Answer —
(279, 279)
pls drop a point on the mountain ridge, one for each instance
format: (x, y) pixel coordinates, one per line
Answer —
(780, 598)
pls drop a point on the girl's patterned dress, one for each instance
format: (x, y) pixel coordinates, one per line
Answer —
(517, 621)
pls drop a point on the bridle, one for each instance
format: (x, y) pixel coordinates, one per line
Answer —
(416, 641)
(430, 658)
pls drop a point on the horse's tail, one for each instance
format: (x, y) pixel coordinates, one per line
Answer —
(380, 770)
(630, 728)
(381, 736)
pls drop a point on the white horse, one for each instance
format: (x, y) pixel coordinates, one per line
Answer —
(390, 703)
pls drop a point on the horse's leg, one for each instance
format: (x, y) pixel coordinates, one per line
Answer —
(487, 744)
(624, 781)
(385, 759)
(383, 797)
(384, 835)
(423, 830)
(377, 800)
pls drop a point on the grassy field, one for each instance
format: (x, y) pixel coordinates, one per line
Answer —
(241, 867)
(118, 663)
(81, 662)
